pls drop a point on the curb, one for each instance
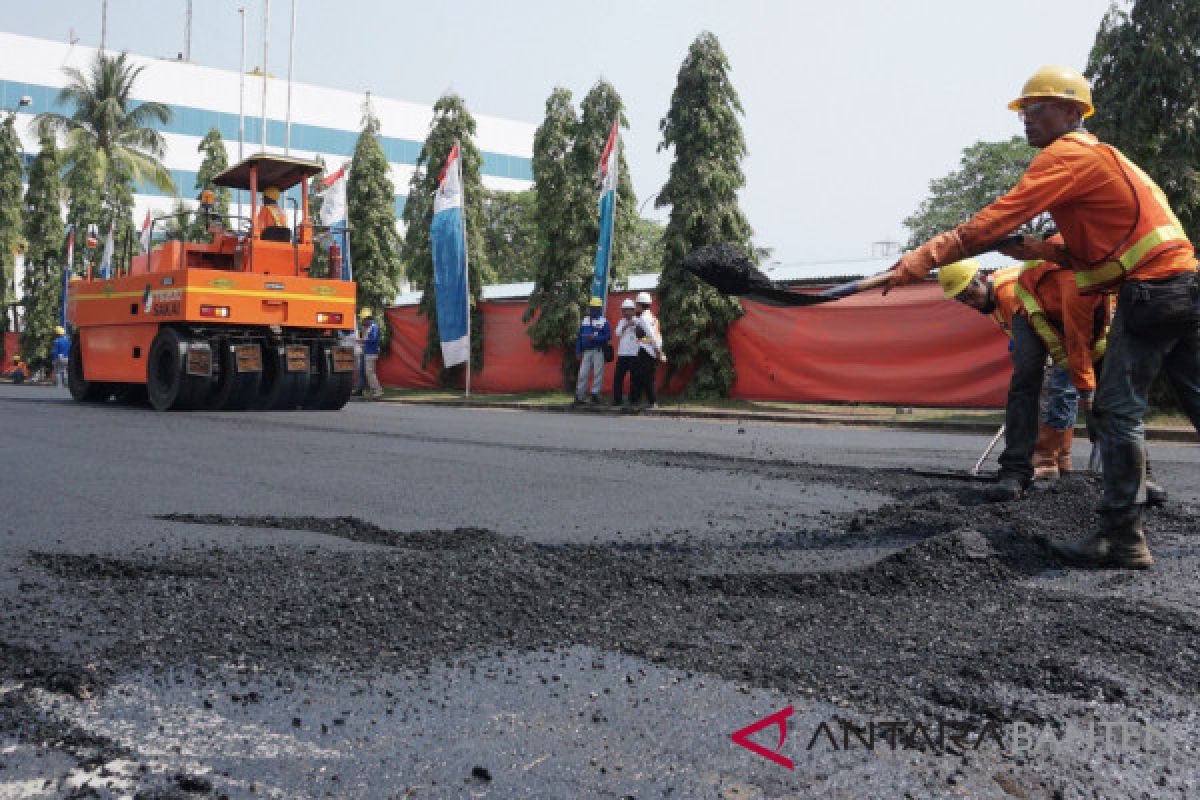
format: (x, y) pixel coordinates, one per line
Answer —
(1179, 435)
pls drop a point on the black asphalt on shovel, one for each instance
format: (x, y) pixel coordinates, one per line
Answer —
(729, 270)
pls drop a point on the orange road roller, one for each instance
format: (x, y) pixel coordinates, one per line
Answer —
(232, 324)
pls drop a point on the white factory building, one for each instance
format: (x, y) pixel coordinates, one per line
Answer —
(324, 122)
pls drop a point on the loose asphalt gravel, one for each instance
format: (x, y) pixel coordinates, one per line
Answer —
(398, 601)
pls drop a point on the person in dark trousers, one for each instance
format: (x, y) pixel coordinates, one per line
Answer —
(594, 333)
(649, 354)
(59, 354)
(627, 351)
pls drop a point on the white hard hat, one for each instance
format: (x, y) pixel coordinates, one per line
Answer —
(627, 303)
(644, 298)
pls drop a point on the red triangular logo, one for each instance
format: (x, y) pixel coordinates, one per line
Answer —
(779, 718)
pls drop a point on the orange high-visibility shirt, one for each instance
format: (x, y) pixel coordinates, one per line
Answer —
(271, 217)
(1079, 321)
(1089, 197)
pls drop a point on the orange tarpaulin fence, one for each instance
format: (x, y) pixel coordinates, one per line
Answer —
(911, 348)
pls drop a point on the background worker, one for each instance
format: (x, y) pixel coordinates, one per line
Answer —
(271, 216)
(644, 393)
(1119, 233)
(370, 349)
(1060, 407)
(592, 338)
(1039, 306)
(627, 351)
(17, 372)
(60, 351)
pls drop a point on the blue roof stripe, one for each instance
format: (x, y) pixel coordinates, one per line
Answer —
(190, 121)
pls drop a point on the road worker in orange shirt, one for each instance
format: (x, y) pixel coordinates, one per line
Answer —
(270, 215)
(1119, 235)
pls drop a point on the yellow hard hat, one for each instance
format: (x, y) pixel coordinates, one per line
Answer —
(366, 312)
(60, 330)
(955, 277)
(595, 302)
(271, 193)
(1062, 83)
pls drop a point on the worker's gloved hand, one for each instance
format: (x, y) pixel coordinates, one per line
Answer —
(1031, 248)
(915, 265)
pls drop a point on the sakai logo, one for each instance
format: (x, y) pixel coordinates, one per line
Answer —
(323, 291)
(107, 289)
(779, 718)
(221, 283)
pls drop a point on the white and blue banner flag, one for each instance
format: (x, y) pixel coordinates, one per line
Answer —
(609, 162)
(107, 257)
(333, 215)
(448, 237)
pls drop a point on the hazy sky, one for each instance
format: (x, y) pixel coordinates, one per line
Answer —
(852, 106)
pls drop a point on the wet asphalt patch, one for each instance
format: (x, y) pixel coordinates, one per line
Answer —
(952, 622)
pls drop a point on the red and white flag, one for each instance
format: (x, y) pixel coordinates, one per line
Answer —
(144, 239)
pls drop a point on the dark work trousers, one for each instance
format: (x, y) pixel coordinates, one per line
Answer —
(1021, 414)
(643, 379)
(626, 365)
(1131, 364)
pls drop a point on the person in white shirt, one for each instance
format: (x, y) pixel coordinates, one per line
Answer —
(649, 353)
(627, 350)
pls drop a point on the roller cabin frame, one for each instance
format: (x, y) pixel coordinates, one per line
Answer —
(232, 324)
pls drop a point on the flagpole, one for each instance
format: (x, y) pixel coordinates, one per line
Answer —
(612, 236)
(466, 262)
(287, 140)
(266, 30)
(241, 105)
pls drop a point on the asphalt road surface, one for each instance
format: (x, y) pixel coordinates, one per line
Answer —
(407, 602)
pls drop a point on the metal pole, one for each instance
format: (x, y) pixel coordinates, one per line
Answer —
(287, 139)
(991, 446)
(266, 28)
(187, 34)
(242, 103)
(103, 23)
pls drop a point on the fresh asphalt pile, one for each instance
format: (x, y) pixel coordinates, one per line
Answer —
(961, 619)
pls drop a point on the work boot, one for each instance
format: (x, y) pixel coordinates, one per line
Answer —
(1066, 439)
(1119, 544)
(595, 399)
(1156, 493)
(1045, 454)
(1006, 489)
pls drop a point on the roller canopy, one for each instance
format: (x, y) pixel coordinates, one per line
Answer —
(279, 171)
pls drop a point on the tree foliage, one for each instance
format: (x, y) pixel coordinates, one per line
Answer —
(645, 247)
(702, 128)
(41, 286)
(371, 208)
(1145, 73)
(84, 185)
(103, 118)
(510, 235)
(215, 161)
(599, 108)
(319, 266)
(451, 122)
(986, 171)
(561, 282)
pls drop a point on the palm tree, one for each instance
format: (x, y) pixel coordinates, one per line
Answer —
(103, 120)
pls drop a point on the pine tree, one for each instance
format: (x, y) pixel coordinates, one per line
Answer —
(451, 122)
(1145, 73)
(83, 182)
(41, 285)
(371, 208)
(702, 128)
(599, 108)
(510, 236)
(562, 278)
(11, 192)
(215, 161)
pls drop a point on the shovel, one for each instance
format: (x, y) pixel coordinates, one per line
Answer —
(971, 474)
(730, 271)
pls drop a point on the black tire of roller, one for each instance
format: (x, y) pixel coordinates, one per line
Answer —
(83, 390)
(232, 390)
(280, 390)
(168, 386)
(327, 390)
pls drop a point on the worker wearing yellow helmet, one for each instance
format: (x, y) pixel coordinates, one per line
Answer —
(370, 338)
(60, 352)
(271, 216)
(1119, 234)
